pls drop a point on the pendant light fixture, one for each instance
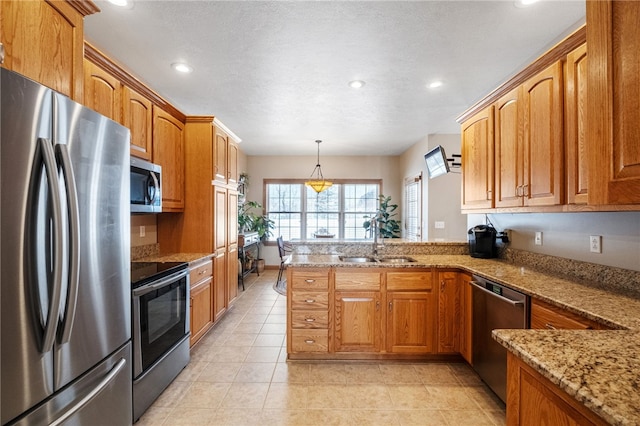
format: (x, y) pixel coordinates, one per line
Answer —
(316, 180)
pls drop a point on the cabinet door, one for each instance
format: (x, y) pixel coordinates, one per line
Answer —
(508, 150)
(232, 216)
(466, 323)
(220, 285)
(575, 126)
(232, 163)
(477, 161)
(357, 321)
(220, 218)
(411, 322)
(201, 310)
(168, 152)
(232, 274)
(102, 92)
(449, 312)
(220, 156)
(613, 38)
(44, 41)
(137, 116)
(543, 138)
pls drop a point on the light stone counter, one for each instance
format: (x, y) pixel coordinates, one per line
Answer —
(601, 369)
(176, 257)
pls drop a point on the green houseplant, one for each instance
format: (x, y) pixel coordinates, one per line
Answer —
(387, 226)
(249, 221)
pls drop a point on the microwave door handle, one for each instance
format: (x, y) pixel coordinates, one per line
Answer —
(156, 185)
(74, 237)
(141, 291)
(51, 169)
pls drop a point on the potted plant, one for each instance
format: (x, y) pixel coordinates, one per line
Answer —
(387, 227)
(249, 221)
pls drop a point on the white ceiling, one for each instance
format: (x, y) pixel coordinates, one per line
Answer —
(276, 72)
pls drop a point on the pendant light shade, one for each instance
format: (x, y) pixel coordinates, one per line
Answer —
(317, 181)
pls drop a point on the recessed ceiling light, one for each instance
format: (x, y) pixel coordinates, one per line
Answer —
(525, 3)
(182, 67)
(121, 3)
(356, 84)
(435, 84)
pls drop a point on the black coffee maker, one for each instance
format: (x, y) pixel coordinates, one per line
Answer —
(482, 241)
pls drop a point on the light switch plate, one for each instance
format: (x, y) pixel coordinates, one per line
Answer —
(143, 232)
(538, 239)
(439, 224)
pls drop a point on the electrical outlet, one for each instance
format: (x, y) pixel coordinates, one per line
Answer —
(143, 232)
(595, 243)
(538, 239)
(439, 225)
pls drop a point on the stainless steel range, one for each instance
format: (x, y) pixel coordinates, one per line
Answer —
(160, 324)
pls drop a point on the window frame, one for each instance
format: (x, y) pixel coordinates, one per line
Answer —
(303, 201)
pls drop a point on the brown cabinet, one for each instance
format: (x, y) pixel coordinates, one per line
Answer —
(102, 92)
(137, 115)
(575, 123)
(509, 150)
(550, 317)
(613, 105)
(201, 291)
(466, 317)
(478, 161)
(543, 155)
(168, 152)
(534, 400)
(43, 40)
(226, 158)
(220, 285)
(449, 312)
(308, 310)
(357, 311)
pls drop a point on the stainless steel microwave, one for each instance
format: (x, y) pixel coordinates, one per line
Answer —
(146, 191)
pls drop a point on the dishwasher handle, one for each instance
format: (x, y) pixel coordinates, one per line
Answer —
(516, 303)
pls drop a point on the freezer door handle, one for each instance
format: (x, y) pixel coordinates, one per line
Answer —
(74, 238)
(51, 325)
(92, 393)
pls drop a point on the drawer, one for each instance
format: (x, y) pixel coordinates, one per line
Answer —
(358, 280)
(310, 279)
(310, 340)
(309, 319)
(546, 316)
(409, 281)
(309, 300)
(200, 271)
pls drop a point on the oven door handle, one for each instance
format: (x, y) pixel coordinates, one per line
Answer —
(156, 285)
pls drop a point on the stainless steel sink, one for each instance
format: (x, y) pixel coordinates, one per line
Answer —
(357, 259)
(401, 259)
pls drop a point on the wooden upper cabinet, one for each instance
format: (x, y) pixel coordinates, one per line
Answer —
(102, 92)
(613, 106)
(232, 162)
(220, 156)
(477, 161)
(508, 150)
(168, 152)
(575, 111)
(543, 104)
(137, 115)
(43, 40)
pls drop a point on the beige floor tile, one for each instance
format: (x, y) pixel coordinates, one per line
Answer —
(485, 398)
(219, 372)
(498, 417)
(410, 397)
(291, 372)
(229, 354)
(248, 327)
(204, 395)
(368, 396)
(273, 329)
(263, 354)
(255, 372)
(283, 353)
(421, 418)
(191, 371)
(374, 417)
(154, 416)
(327, 373)
(238, 417)
(254, 318)
(287, 396)
(269, 340)
(190, 416)
(172, 395)
(363, 373)
(467, 417)
(280, 417)
(260, 310)
(435, 373)
(278, 310)
(241, 339)
(325, 396)
(465, 374)
(245, 395)
(276, 319)
(449, 397)
(395, 374)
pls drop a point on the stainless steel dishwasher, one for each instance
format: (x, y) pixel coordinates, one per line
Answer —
(495, 307)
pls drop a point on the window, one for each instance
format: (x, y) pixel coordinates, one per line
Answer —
(299, 212)
(412, 208)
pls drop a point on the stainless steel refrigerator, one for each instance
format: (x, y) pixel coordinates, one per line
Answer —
(65, 274)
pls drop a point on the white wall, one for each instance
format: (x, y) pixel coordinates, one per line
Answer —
(441, 195)
(567, 235)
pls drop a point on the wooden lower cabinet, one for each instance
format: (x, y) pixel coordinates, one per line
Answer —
(220, 285)
(549, 317)
(534, 400)
(449, 312)
(357, 321)
(201, 299)
(410, 322)
(466, 316)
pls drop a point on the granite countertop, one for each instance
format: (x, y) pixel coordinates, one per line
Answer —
(601, 369)
(176, 257)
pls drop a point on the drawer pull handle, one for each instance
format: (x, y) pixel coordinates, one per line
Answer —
(309, 281)
(310, 300)
(550, 326)
(310, 341)
(310, 319)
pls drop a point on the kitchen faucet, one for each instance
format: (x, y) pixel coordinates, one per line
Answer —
(378, 240)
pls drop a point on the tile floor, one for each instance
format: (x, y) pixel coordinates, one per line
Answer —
(239, 375)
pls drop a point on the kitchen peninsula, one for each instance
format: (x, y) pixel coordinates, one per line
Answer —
(603, 374)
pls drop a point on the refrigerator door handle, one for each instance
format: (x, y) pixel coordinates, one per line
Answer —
(74, 230)
(51, 325)
(92, 393)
